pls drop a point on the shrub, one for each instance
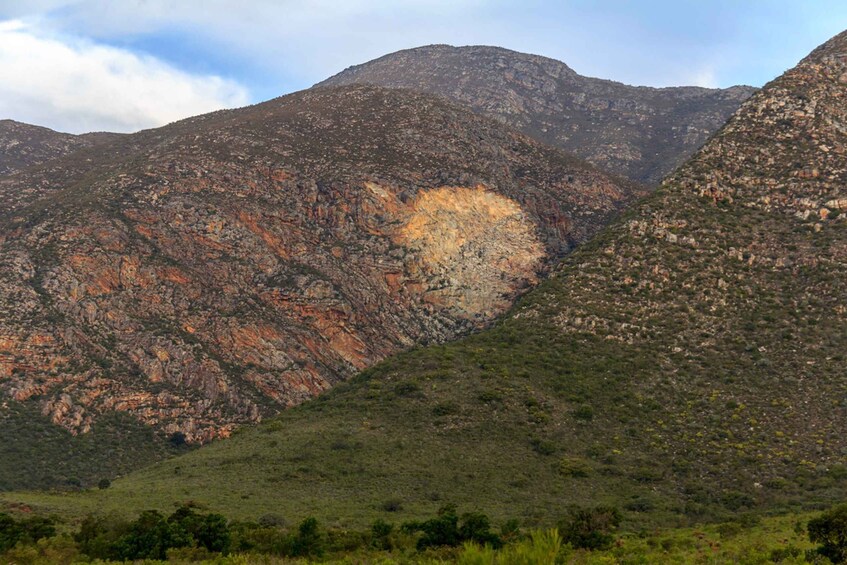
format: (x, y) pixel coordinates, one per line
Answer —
(392, 505)
(441, 530)
(584, 412)
(209, 531)
(27, 531)
(543, 447)
(444, 529)
(151, 535)
(477, 528)
(591, 528)
(380, 535)
(308, 542)
(574, 467)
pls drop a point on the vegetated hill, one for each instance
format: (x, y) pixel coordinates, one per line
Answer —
(212, 272)
(639, 132)
(686, 364)
(24, 145)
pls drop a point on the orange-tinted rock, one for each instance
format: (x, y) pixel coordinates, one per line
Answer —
(241, 262)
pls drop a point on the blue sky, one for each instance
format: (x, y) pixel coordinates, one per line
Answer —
(82, 65)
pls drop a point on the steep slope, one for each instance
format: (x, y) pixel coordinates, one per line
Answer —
(24, 145)
(688, 363)
(209, 273)
(639, 132)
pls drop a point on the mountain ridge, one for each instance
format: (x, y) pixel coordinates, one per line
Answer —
(24, 145)
(640, 132)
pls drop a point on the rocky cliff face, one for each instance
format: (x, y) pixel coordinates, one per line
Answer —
(205, 274)
(24, 145)
(639, 132)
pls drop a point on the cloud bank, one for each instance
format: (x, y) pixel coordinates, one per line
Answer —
(122, 65)
(75, 85)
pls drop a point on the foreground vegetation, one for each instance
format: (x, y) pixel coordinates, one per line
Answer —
(584, 536)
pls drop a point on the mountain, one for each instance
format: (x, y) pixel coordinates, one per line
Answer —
(640, 132)
(685, 364)
(209, 273)
(24, 145)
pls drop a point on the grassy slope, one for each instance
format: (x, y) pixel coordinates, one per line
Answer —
(115, 445)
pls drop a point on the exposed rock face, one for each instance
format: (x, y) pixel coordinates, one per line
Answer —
(476, 245)
(640, 132)
(213, 271)
(24, 145)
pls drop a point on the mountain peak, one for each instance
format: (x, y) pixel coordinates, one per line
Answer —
(639, 132)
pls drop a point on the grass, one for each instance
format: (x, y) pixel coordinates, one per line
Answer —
(116, 445)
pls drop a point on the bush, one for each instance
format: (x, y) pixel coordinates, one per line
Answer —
(441, 530)
(57, 549)
(477, 528)
(444, 530)
(392, 505)
(591, 528)
(574, 467)
(308, 542)
(151, 536)
(26, 531)
(380, 535)
(830, 531)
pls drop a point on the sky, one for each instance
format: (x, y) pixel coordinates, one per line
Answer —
(125, 65)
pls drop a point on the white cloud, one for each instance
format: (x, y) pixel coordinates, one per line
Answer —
(75, 85)
(304, 40)
(705, 77)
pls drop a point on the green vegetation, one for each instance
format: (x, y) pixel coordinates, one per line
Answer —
(54, 458)
(30, 530)
(189, 536)
(830, 531)
(591, 528)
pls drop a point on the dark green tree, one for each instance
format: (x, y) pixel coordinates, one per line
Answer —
(477, 528)
(380, 534)
(308, 542)
(97, 536)
(29, 530)
(150, 537)
(210, 531)
(441, 530)
(830, 531)
(10, 532)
